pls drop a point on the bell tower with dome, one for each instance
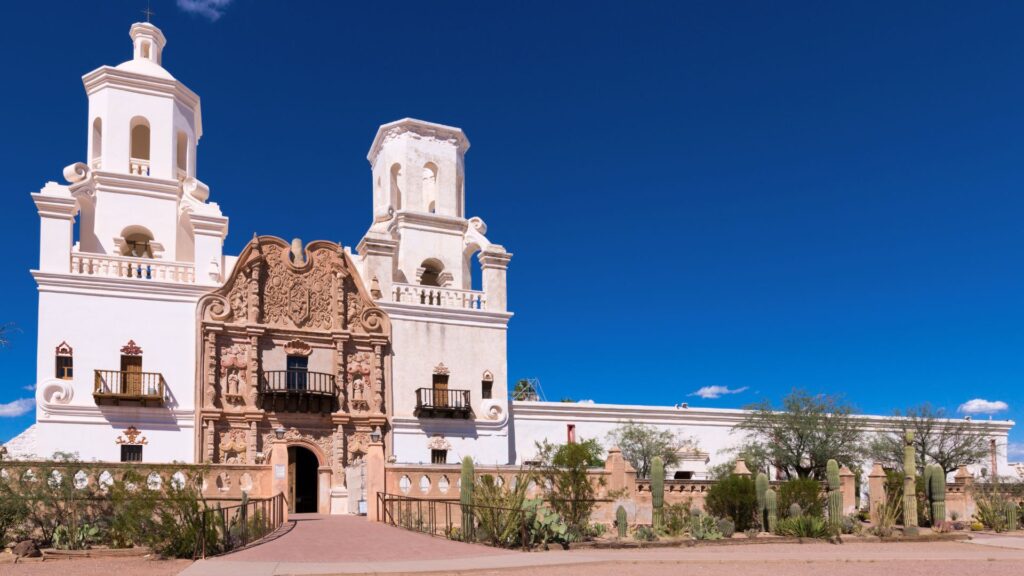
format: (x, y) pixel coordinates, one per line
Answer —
(127, 247)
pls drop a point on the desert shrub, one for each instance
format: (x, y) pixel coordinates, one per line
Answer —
(570, 491)
(498, 509)
(704, 527)
(12, 515)
(727, 527)
(751, 532)
(804, 527)
(803, 491)
(645, 533)
(733, 497)
(676, 518)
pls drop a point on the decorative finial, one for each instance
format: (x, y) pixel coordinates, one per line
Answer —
(148, 12)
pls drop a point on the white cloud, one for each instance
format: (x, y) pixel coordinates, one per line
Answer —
(710, 392)
(1015, 451)
(982, 406)
(29, 387)
(16, 408)
(212, 9)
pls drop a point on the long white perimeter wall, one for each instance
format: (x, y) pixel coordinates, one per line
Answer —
(712, 429)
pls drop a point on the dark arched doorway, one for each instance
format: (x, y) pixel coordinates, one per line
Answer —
(302, 479)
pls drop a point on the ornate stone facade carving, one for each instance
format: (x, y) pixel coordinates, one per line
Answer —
(281, 301)
(233, 446)
(438, 442)
(131, 349)
(132, 437)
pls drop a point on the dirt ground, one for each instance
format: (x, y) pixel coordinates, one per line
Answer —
(810, 559)
(94, 567)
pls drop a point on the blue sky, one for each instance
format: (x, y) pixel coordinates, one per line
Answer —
(748, 195)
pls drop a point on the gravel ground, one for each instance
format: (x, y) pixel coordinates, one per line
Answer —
(94, 567)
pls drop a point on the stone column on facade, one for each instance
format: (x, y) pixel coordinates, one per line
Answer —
(279, 472)
(374, 462)
(876, 491)
(57, 210)
(848, 489)
(323, 493)
(494, 264)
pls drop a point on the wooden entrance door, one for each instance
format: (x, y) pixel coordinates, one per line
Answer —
(131, 375)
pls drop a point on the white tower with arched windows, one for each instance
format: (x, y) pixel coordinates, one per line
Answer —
(442, 283)
(117, 295)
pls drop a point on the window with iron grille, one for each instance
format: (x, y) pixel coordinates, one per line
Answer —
(438, 456)
(131, 453)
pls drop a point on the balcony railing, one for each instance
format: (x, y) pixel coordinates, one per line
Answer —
(138, 166)
(443, 403)
(126, 267)
(298, 391)
(115, 386)
(439, 297)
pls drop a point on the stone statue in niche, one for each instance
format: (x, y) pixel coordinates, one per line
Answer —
(360, 365)
(234, 363)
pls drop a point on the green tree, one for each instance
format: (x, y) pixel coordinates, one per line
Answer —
(564, 467)
(801, 437)
(937, 440)
(640, 443)
(523, 390)
(733, 497)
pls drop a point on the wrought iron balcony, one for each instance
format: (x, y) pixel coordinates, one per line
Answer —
(443, 403)
(298, 391)
(116, 386)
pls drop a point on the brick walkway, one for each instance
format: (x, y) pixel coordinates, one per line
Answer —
(328, 539)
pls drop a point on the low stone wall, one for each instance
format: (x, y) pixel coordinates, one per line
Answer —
(218, 481)
(615, 485)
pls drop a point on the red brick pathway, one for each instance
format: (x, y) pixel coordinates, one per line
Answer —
(316, 538)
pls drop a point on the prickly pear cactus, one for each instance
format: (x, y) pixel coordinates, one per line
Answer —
(937, 493)
(761, 485)
(909, 483)
(771, 507)
(621, 522)
(657, 491)
(835, 497)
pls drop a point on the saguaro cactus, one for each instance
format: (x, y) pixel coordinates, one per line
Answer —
(621, 522)
(1012, 516)
(835, 496)
(909, 482)
(771, 507)
(761, 484)
(466, 483)
(936, 489)
(657, 491)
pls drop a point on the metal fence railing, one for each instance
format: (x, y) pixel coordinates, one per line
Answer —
(223, 529)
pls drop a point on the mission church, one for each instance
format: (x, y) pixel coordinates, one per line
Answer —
(156, 346)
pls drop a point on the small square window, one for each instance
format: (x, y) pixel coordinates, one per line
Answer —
(438, 456)
(131, 453)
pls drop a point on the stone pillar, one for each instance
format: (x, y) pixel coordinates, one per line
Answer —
(876, 491)
(279, 472)
(374, 477)
(209, 232)
(323, 492)
(494, 263)
(615, 465)
(740, 469)
(964, 479)
(848, 488)
(57, 210)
